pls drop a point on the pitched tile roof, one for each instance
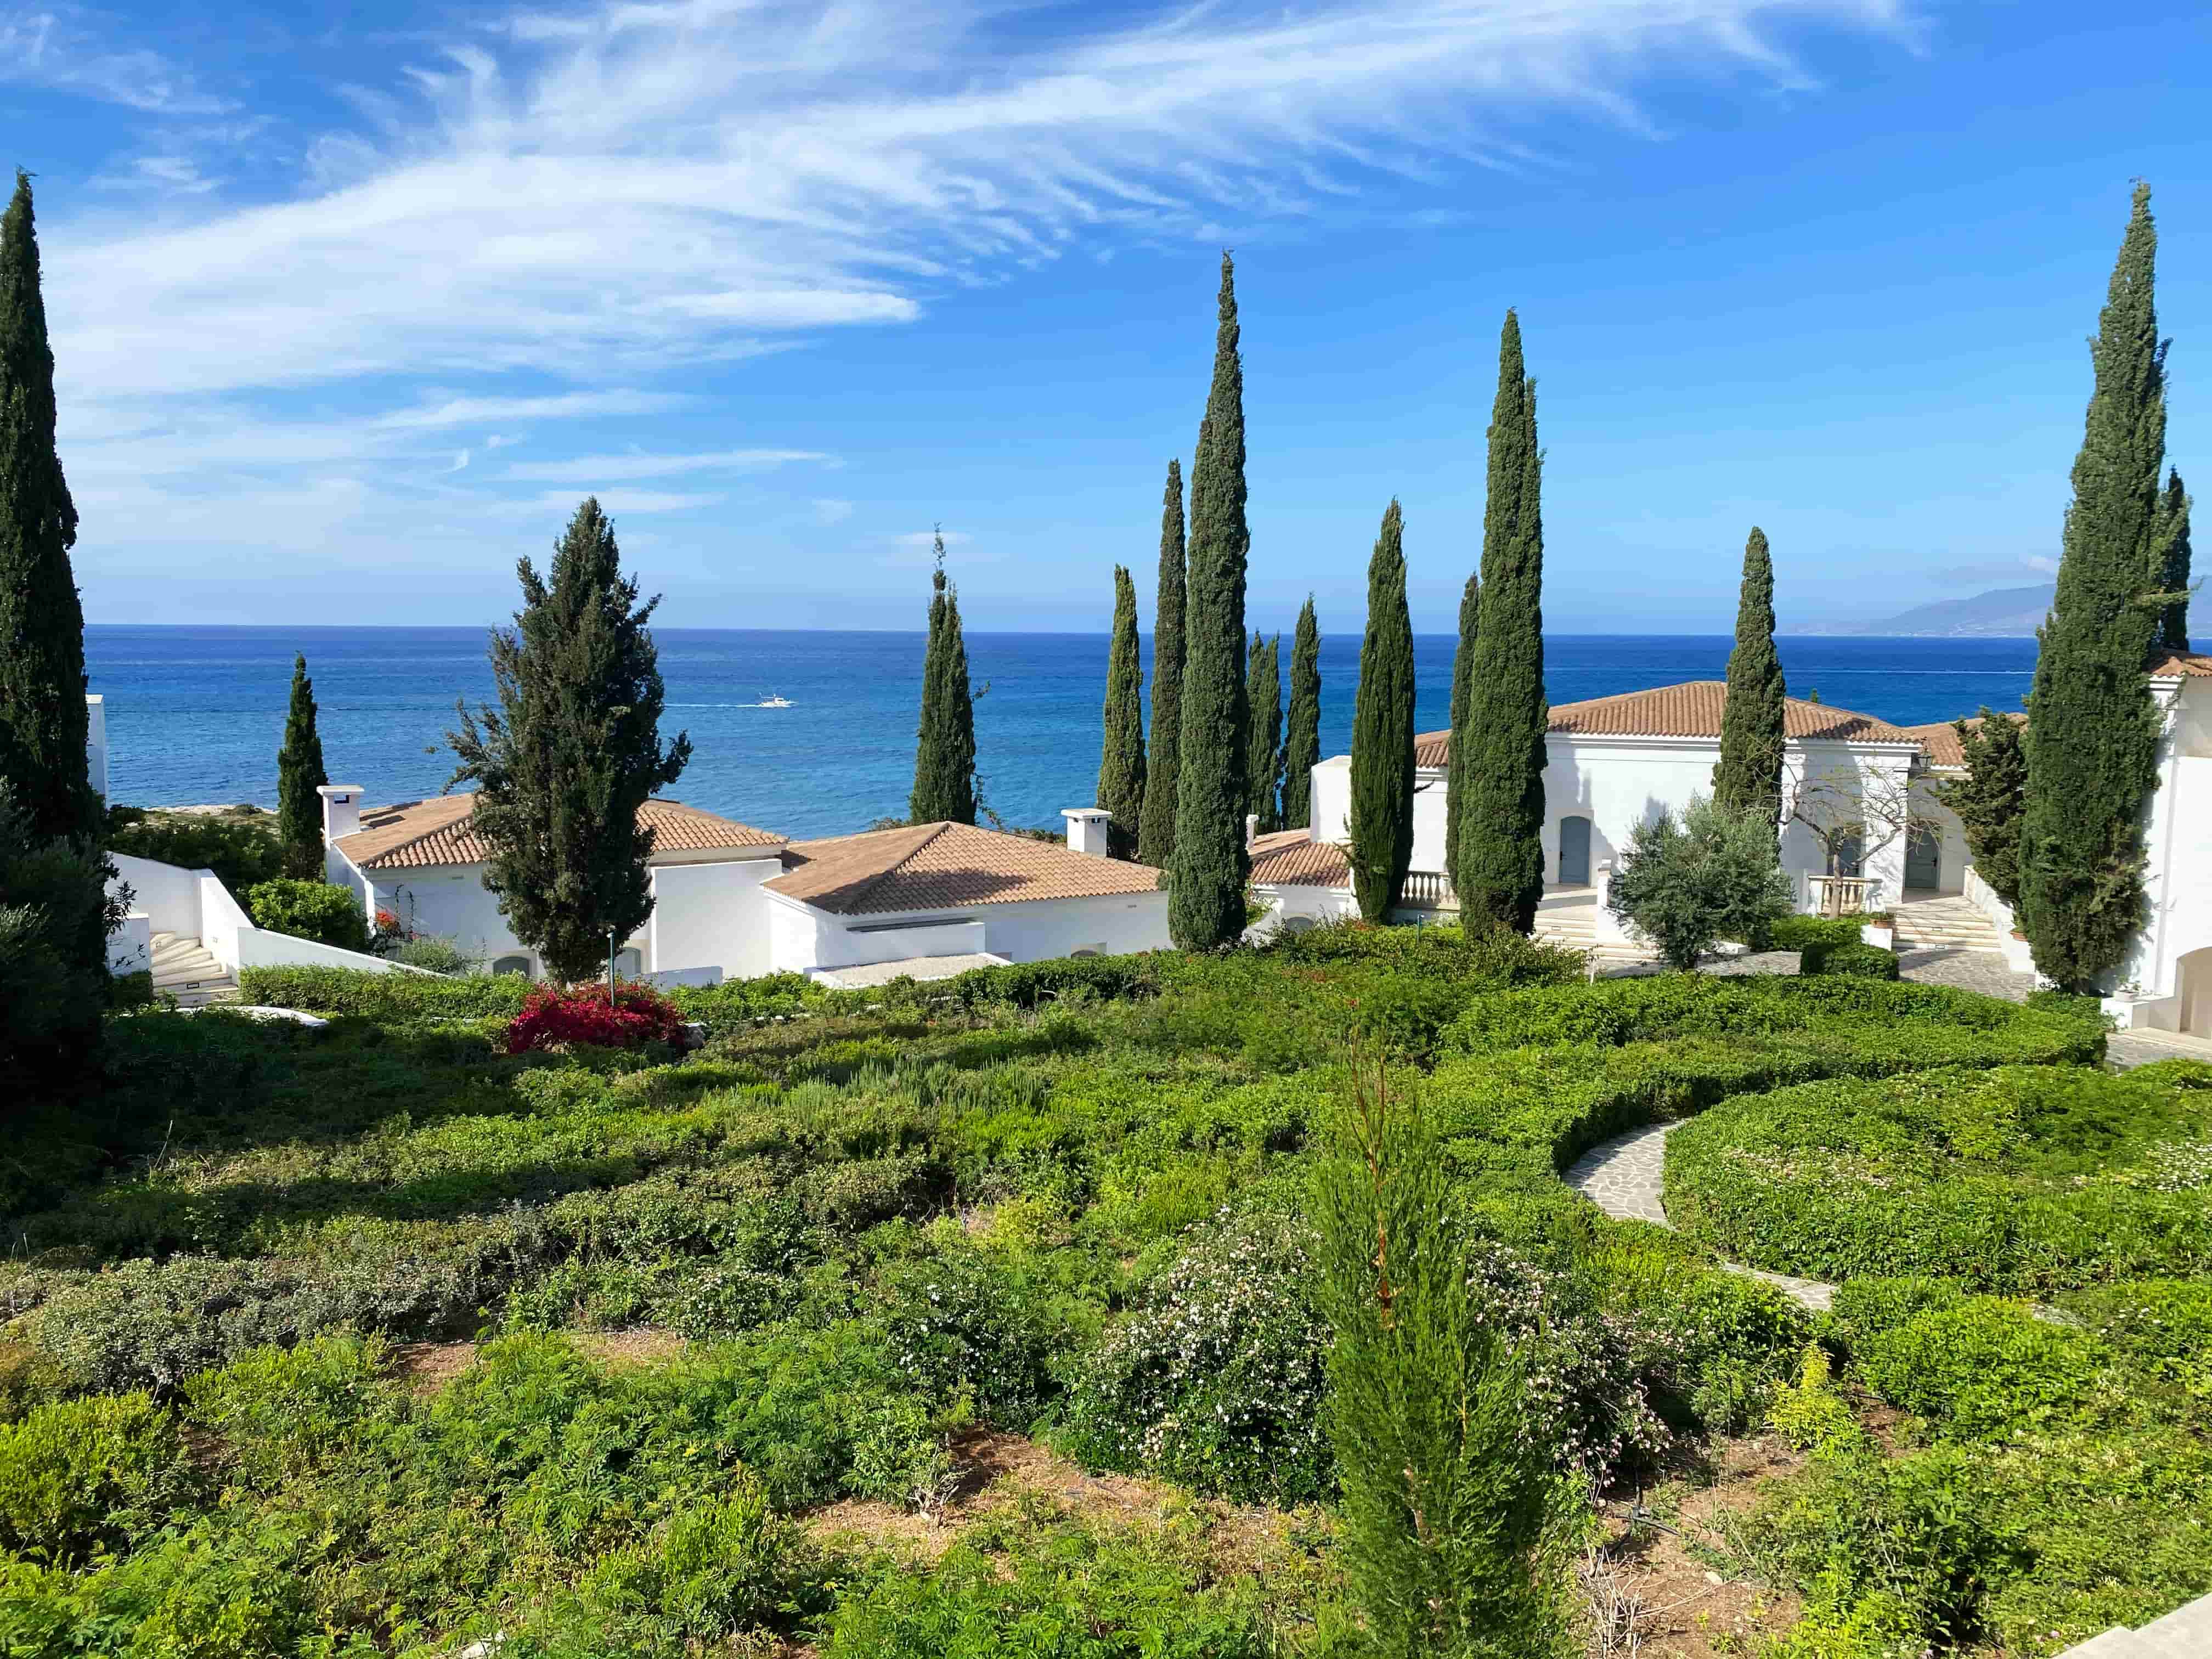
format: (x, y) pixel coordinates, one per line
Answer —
(938, 866)
(1689, 710)
(1940, 740)
(2184, 663)
(1292, 858)
(418, 834)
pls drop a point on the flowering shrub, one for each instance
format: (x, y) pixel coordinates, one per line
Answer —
(1217, 1378)
(633, 1017)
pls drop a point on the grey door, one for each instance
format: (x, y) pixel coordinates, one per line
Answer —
(1574, 852)
(1923, 858)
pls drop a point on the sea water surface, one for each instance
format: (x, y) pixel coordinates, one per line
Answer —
(195, 714)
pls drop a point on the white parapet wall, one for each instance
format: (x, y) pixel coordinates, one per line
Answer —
(195, 904)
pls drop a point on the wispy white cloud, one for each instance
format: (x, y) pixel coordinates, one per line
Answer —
(927, 539)
(590, 469)
(828, 510)
(72, 48)
(556, 501)
(468, 411)
(639, 185)
(460, 461)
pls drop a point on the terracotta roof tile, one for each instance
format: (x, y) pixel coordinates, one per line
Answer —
(1689, 710)
(937, 867)
(1293, 858)
(1940, 739)
(2187, 664)
(417, 834)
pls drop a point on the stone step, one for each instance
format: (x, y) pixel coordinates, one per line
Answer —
(191, 975)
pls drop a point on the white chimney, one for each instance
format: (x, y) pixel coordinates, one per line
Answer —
(1251, 828)
(341, 810)
(1086, 829)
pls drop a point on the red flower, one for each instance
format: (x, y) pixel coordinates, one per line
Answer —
(636, 1015)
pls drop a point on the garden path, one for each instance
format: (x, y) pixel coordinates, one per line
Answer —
(1622, 1176)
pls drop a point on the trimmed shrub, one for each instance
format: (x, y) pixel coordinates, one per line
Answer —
(81, 1474)
(1984, 1369)
(2020, 1178)
(2163, 1326)
(728, 1564)
(319, 910)
(630, 1017)
(437, 954)
(1855, 959)
(1796, 932)
(241, 852)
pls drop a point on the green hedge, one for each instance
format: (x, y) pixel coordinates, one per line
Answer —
(1592, 1061)
(2022, 1179)
(1853, 960)
(319, 910)
(1803, 933)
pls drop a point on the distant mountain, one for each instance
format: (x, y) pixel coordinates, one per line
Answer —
(2001, 613)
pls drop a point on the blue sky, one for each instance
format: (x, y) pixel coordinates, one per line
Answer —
(351, 305)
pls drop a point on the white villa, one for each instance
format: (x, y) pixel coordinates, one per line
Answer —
(733, 902)
(1868, 835)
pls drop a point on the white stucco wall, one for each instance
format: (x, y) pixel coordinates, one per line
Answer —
(167, 894)
(448, 900)
(95, 742)
(1619, 783)
(2178, 876)
(802, 938)
(1287, 904)
(710, 916)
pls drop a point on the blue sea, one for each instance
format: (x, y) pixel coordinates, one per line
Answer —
(195, 714)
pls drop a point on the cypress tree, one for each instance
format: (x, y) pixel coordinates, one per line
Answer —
(299, 775)
(1122, 757)
(1749, 776)
(1381, 827)
(571, 754)
(1990, 799)
(1302, 742)
(1156, 835)
(1458, 758)
(42, 712)
(2092, 733)
(1500, 870)
(2173, 578)
(1263, 748)
(945, 745)
(1211, 863)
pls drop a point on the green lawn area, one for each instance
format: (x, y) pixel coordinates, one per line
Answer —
(979, 1318)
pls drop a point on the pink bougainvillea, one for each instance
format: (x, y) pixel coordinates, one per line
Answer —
(636, 1015)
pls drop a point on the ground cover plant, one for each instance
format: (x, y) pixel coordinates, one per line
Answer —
(691, 1312)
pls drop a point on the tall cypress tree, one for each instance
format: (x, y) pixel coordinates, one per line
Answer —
(1381, 827)
(944, 741)
(2092, 733)
(1122, 756)
(1500, 872)
(299, 775)
(1156, 835)
(1302, 740)
(1460, 757)
(1990, 799)
(1211, 863)
(1263, 748)
(571, 754)
(42, 712)
(1749, 776)
(2174, 574)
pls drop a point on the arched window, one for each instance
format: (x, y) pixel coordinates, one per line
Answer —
(512, 965)
(1299, 924)
(1089, 951)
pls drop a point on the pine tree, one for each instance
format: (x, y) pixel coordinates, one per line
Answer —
(1211, 863)
(1156, 835)
(2092, 733)
(299, 775)
(43, 722)
(1263, 745)
(1122, 757)
(1381, 827)
(1445, 1490)
(571, 754)
(1302, 742)
(1499, 874)
(945, 742)
(1749, 776)
(2172, 578)
(1459, 757)
(1991, 797)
